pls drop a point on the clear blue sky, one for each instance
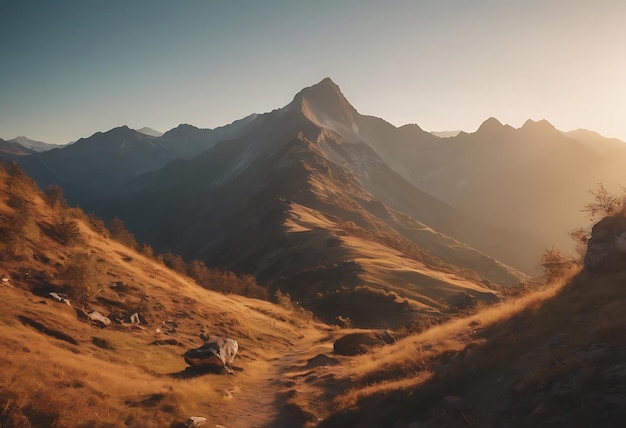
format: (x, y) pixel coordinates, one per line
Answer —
(72, 68)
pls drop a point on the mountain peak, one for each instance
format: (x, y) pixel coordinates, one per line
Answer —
(539, 125)
(324, 91)
(124, 129)
(323, 103)
(490, 125)
(149, 132)
(327, 81)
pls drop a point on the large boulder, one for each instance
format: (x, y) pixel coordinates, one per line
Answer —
(216, 355)
(606, 249)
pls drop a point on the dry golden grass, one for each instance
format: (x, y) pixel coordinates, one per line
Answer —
(411, 360)
(116, 376)
(556, 354)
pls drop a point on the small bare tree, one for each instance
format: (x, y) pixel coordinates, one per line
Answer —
(604, 204)
(555, 264)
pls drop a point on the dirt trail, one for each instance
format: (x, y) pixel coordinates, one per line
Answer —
(256, 396)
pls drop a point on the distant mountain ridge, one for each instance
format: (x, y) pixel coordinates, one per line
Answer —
(149, 131)
(316, 198)
(10, 150)
(37, 146)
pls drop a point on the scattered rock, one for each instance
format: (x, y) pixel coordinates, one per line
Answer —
(60, 297)
(196, 421)
(98, 319)
(217, 354)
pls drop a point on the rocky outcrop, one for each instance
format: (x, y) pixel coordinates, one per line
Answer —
(606, 249)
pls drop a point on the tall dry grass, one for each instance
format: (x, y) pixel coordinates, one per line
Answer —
(413, 359)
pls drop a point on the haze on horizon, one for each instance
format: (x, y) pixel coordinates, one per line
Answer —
(72, 68)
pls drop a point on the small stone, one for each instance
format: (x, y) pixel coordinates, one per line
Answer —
(196, 421)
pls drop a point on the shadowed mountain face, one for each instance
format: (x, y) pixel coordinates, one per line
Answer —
(99, 165)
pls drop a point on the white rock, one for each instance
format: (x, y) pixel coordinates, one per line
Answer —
(97, 316)
(196, 421)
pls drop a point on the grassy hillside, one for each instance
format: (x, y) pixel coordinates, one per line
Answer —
(552, 358)
(59, 370)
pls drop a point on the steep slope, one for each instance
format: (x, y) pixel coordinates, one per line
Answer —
(438, 167)
(59, 370)
(304, 209)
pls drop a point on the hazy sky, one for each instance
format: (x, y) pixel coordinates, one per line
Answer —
(72, 68)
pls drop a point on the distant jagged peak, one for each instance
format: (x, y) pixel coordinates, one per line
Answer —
(112, 138)
(538, 125)
(119, 130)
(492, 126)
(37, 146)
(326, 85)
(413, 131)
(412, 127)
(325, 98)
(181, 131)
(184, 127)
(22, 139)
(149, 132)
(325, 105)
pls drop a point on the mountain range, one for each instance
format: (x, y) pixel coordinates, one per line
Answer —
(342, 209)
